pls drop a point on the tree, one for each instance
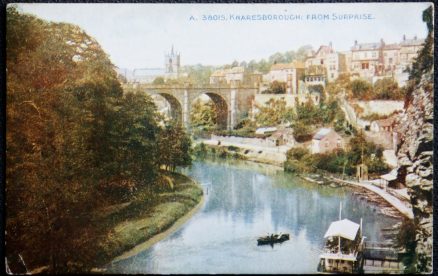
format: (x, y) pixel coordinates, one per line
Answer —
(203, 115)
(360, 89)
(301, 53)
(341, 84)
(273, 113)
(60, 85)
(277, 58)
(174, 147)
(158, 80)
(71, 133)
(387, 89)
(276, 87)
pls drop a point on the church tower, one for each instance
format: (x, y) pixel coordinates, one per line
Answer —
(172, 64)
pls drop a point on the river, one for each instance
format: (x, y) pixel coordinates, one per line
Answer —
(244, 200)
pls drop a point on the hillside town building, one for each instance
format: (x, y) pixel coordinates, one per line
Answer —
(326, 140)
(290, 73)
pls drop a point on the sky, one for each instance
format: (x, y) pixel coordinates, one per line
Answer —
(138, 35)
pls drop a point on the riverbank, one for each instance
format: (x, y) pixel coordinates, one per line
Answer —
(392, 200)
(144, 221)
(377, 194)
(256, 153)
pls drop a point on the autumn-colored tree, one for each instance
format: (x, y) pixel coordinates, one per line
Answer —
(273, 113)
(71, 136)
(276, 87)
(387, 89)
(203, 115)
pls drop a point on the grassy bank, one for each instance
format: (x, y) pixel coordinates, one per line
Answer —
(149, 214)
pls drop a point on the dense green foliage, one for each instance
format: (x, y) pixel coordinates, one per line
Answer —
(272, 113)
(360, 89)
(198, 74)
(75, 143)
(387, 89)
(276, 87)
(383, 89)
(263, 65)
(308, 116)
(203, 115)
(406, 239)
(340, 161)
(425, 59)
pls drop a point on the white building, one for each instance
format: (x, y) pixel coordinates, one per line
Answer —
(334, 63)
(227, 76)
(290, 73)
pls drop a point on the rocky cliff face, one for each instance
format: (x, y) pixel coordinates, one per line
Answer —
(415, 159)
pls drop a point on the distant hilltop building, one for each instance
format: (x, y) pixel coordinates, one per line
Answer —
(376, 60)
(171, 70)
(333, 62)
(172, 64)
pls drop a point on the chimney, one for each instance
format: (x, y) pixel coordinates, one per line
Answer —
(355, 42)
(404, 37)
(415, 37)
(382, 42)
(330, 44)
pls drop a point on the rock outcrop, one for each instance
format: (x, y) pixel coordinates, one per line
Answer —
(415, 151)
(415, 159)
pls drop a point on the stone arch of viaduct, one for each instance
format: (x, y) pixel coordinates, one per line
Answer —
(232, 103)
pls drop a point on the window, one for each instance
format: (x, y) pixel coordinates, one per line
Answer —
(365, 65)
(374, 54)
(322, 61)
(390, 60)
(366, 54)
(332, 75)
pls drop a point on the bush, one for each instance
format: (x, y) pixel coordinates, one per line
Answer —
(302, 131)
(387, 89)
(360, 88)
(276, 87)
(406, 239)
(200, 150)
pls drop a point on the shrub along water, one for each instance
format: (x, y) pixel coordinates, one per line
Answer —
(340, 161)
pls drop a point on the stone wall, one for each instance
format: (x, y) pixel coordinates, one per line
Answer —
(381, 107)
(245, 140)
(290, 99)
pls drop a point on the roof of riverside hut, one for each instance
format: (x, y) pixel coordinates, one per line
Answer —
(344, 228)
(322, 133)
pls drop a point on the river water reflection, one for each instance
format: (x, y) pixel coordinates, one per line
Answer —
(246, 200)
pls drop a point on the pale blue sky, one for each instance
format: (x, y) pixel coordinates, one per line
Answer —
(138, 35)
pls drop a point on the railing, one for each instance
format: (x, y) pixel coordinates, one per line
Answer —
(187, 86)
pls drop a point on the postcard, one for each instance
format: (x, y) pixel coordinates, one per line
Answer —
(219, 138)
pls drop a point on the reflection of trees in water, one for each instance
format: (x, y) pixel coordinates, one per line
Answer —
(295, 205)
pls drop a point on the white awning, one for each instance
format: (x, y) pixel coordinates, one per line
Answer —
(344, 228)
(337, 256)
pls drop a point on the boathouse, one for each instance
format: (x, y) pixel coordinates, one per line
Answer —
(343, 249)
